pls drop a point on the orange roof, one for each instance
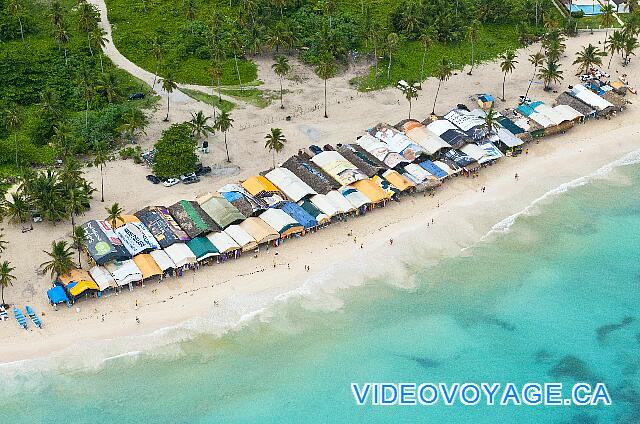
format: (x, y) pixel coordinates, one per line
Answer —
(76, 275)
(399, 181)
(125, 219)
(370, 189)
(259, 184)
(409, 125)
(147, 265)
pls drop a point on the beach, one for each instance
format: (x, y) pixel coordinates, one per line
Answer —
(456, 217)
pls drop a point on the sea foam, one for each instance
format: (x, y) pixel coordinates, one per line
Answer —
(504, 225)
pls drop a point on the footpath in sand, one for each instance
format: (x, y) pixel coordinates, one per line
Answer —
(461, 215)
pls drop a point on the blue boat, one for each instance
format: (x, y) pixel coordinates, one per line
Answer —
(22, 321)
(33, 316)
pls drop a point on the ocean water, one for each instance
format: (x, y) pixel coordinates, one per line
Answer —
(552, 296)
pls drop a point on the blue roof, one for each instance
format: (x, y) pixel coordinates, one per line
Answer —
(57, 295)
(510, 125)
(534, 105)
(433, 169)
(232, 195)
(526, 110)
(310, 208)
(296, 212)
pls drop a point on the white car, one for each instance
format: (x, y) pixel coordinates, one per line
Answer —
(170, 182)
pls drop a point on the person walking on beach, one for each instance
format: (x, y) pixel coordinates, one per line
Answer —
(391, 242)
(516, 176)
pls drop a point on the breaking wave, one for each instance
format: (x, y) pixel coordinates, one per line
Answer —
(320, 291)
(503, 226)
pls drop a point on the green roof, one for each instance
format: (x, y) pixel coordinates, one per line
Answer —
(201, 246)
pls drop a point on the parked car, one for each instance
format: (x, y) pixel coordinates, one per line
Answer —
(315, 149)
(202, 170)
(170, 182)
(189, 179)
(136, 96)
(153, 179)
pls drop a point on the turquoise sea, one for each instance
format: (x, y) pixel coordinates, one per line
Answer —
(554, 298)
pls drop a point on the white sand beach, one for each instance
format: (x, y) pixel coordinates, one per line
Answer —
(461, 213)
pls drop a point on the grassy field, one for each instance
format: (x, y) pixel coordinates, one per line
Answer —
(594, 22)
(223, 105)
(406, 62)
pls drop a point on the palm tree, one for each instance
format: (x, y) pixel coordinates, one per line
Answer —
(60, 259)
(375, 38)
(199, 126)
(76, 203)
(87, 20)
(472, 32)
(13, 121)
(281, 68)
(57, 14)
(630, 44)
(614, 44)
(99, 37)
(16, 9)
(189, 9)
(507, 66)
(607, 18)
(47, 195)
(224, 123)
(491, 120)
(101, 158)
(588, 57)
(410, 92)
(443, 73)
(77, 237)
(275, 141)
(3, 242)
(6, 278)
(114, 214)
(158, 53)
(62, 139)
(426, 41)
(550, 73)
(50, 104)
(168, 85)
(133, 122)
(86, 86)
(62, 36)
(216, 71)
(17, 208)
(325, 70)
(536, 59)
(392, 42)
(108, 84)
(237, 47)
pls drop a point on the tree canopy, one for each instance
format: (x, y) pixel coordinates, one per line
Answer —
(176, 152)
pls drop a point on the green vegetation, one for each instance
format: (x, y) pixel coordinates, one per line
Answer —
(255, 96)
(55, 81)
(53, 194)
(223, 105)
(183, 35)
(203, 42)
(176, 151)
(407, 62)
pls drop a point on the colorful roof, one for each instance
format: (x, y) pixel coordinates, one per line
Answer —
(259, 184)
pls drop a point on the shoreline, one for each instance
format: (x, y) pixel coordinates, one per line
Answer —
(173, 312)
(181, 309)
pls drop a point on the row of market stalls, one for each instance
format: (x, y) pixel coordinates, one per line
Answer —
(312, 189)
